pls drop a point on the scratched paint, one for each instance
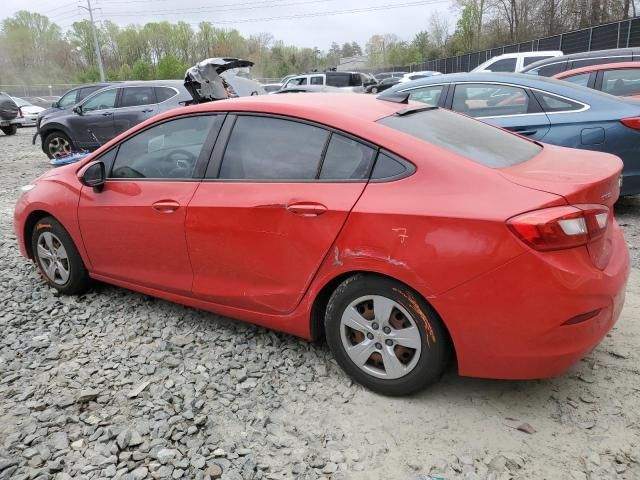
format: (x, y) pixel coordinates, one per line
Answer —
(401, 232)
(365, 254)
(421, 314)
(336, 257)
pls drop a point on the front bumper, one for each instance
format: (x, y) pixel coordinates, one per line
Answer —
(510, 323)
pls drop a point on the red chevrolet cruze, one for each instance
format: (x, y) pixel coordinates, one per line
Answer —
(403, 233)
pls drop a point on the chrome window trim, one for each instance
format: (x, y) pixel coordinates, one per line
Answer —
(584, 107)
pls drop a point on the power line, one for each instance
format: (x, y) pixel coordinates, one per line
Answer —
(58, 8)
(250, 6)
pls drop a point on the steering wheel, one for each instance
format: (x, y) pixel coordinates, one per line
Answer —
(178, 163)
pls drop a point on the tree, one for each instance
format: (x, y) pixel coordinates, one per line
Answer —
(142, 70)
(170, 68)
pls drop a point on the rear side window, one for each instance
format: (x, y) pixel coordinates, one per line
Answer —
(464, 136)
(263, 148)
(317, 80)
(552, 103)
(504, 65)
(388, 167)
(621, 82)
(135, 96)
(490, 100)
(579, 79)
(530, 60)
(346, 159)
(164, 93)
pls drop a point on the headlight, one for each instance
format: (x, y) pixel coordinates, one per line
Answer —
(27, 188)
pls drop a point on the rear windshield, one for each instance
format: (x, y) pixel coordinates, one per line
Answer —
(465, 136)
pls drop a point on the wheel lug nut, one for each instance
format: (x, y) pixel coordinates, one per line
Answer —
(375, 326)
(386, 330)
(378, 346)
(389, 342)
(370, 336)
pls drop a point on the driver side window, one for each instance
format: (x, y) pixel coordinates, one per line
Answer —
(166, 151)
(101, 101)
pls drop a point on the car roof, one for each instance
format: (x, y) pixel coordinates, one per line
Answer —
(527, 54)
(613, 52)
(595, 68)
(552, 85)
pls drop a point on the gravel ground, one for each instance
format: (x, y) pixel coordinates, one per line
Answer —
(114, 384)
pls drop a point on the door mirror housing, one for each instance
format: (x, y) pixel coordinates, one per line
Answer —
(78, 109)
(93, 175)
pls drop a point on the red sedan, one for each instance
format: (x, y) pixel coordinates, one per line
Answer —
(405, 234)
(620, 79)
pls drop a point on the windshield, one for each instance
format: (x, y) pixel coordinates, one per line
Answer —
(20, 102)
(473, 139)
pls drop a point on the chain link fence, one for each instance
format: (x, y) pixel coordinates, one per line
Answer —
(620, 34)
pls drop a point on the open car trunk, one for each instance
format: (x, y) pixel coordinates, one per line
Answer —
(205, 83)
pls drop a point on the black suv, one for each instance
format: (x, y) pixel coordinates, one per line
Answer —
(106, 113)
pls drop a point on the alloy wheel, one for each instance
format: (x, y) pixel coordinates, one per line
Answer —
(53, 258)
(380, 337)
(59, 146)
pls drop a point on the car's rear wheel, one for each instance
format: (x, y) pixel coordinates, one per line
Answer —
(385, 335)
(10, 130)
(57, 257)
(57, 144)
(374, 89)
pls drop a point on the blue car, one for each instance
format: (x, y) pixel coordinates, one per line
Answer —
(543, 109)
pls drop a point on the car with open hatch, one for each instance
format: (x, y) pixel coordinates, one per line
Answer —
(371, 223)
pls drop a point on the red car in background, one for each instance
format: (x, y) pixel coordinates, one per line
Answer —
(403, 233)
(619, 79)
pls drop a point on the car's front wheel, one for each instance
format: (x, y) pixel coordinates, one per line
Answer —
(57, 257)
(374, 89)
(10, 130)
(385, 335)
(57, 144)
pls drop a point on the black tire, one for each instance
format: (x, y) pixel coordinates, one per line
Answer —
(52, 140)
(374, 89)
(434, 339)
(78, 280)
(10, 130)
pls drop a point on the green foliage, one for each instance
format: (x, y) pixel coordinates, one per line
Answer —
(142, 70)
(125, 72)
(170, 68)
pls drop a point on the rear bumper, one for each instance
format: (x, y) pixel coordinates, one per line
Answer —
(511, 323)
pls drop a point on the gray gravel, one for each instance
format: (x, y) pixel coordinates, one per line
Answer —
(114, 384)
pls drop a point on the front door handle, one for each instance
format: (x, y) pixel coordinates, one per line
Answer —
(307, 209)
(107, 114)
(524, 131)
(149, 110)
(166, 206)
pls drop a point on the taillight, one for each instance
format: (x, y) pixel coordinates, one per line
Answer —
(20, 112)
(631, 122)
(558, 228)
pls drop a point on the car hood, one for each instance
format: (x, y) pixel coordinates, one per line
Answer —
(204, 81)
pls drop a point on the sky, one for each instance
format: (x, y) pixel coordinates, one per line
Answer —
(303, 23)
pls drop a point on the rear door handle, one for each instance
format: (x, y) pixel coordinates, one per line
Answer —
(148, 110)
(166, 206)
(307, 209)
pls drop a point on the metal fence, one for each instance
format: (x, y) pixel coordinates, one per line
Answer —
(620, 34)
(37, 90)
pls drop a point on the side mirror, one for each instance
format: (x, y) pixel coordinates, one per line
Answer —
(54, 105)
(93, 175)
(78, 109)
